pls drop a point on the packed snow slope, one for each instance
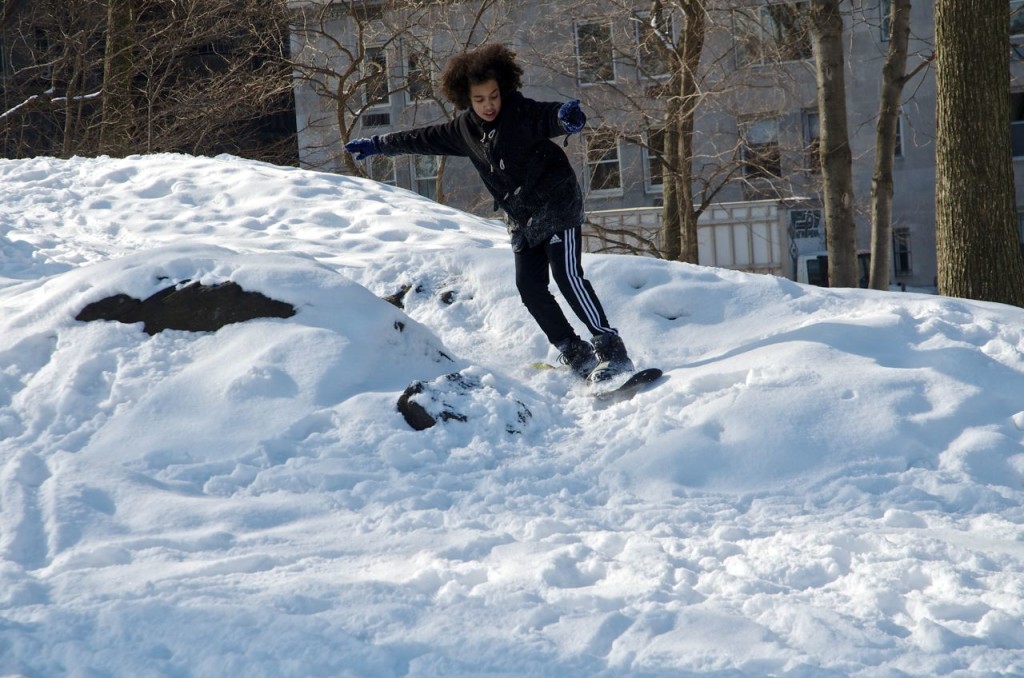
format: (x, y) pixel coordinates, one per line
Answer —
(827, 483)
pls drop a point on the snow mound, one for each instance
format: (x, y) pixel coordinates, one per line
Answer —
(827, 482)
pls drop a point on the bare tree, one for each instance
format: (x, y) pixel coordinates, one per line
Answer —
(209, 74)
(979, 253)
(118, 69)
(9, 10)
(343, 61)
(683, 55)
(894, 79)
(119, 76)
(355, 57)
(826, 27)
(690, 71)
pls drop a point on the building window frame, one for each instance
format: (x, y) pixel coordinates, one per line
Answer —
(5, 59)
(418, 74)
(604, 164)
(1020, 227)
(811, 120)
(762, 38)
(898, 146)
(654, 163)
(760, 151)
(376, 68)
(381, 168)
(424, 171)
(595, 55)
(903, 263)
(1017, 123)
(646, 55)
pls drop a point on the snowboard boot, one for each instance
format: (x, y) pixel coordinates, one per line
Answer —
(578, 355)
(612, 358)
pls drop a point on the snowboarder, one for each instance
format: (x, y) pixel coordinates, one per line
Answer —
(508, 138)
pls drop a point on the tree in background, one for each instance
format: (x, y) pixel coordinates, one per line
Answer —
(826, 28)
(140, 76)
(9, 10)
(894, 77)
(696, 63)
(682, 54)
(978, 245)
(118, 70)
(358, 56)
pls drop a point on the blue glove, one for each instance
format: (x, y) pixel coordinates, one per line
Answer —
(571, 117)
(364, 148)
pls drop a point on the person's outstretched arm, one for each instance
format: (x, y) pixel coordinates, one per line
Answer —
(443, 139)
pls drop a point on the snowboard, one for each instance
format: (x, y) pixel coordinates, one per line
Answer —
(545, 366)
(637, 382)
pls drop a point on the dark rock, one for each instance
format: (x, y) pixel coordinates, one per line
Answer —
(193, 308)
(119, 307)
(414, 413)
(448, 398)
(398, 298)
(434, 394)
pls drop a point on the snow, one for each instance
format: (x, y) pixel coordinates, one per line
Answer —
(827, 483)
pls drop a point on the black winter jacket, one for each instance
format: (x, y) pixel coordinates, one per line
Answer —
(526, 172)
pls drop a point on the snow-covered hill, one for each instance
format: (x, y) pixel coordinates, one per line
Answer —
(828, 483)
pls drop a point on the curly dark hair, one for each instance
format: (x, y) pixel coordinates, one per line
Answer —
(489, 62)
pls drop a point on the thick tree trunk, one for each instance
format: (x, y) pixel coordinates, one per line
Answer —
(978, 246)
(826, 23)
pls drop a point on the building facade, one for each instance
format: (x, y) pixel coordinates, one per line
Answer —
(370, 69)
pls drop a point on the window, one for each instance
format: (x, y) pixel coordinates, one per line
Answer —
(812, 139)
(424, 175)
(382, 168)
(817, 271)
(901, 252)
(1020, 229)
(898, 147)
(650, 30)
(43, 49)
(603, 168)
(594, 58)
(376, 88)
(375, 69)
(771, 33)
(418, 86)
(4, 59)
(1017, 123)
(885, 9)
(376, 120)
(363, 13)
(219, 48)
(759, 149)
(654, 163)
(1017, 17)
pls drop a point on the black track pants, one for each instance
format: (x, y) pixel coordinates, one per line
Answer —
(562, 255)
